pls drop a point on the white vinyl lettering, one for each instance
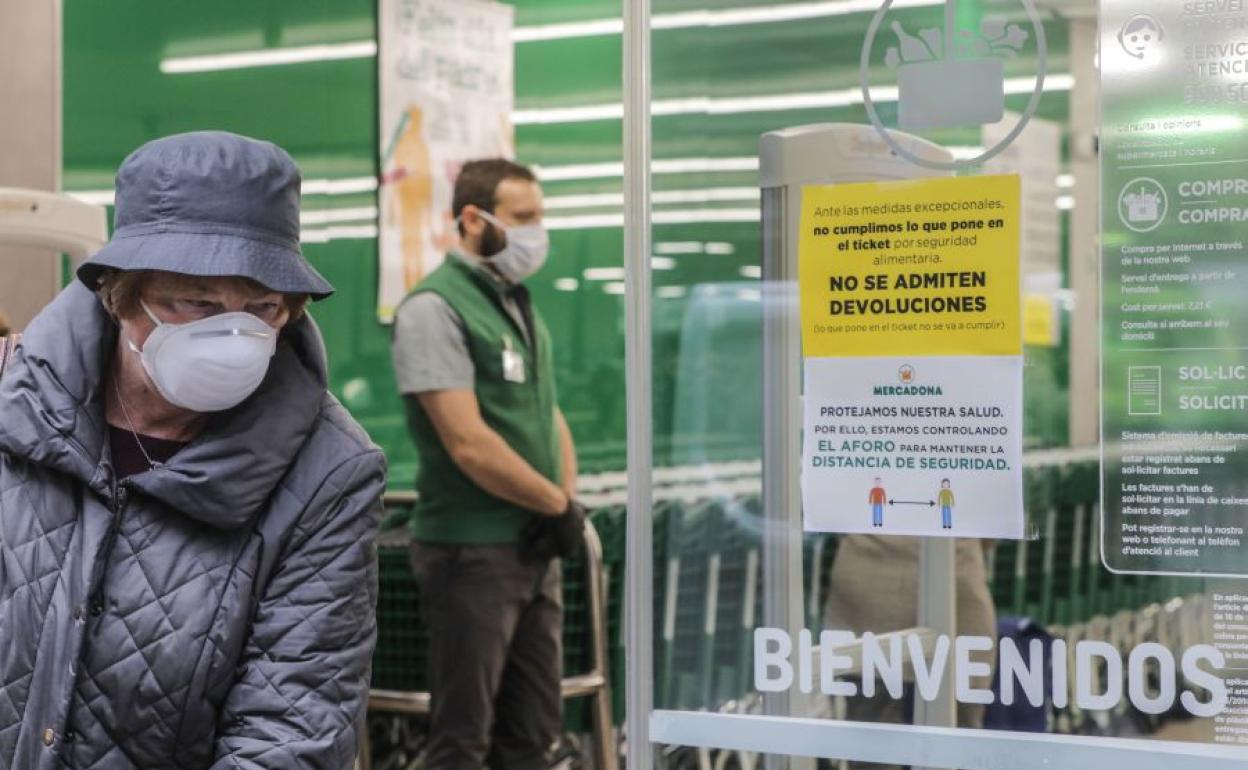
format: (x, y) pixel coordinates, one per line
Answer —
(928, 677)
(966, 669)
(1061, 669)
(1137, 678)
(805, 676)
(1197, 676)
(1087, 676)
(831, 661)
(1029, 674)
(772, 648)
(875, 663)
(1151, 682)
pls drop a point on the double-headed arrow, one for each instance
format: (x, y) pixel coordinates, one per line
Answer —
(929, 503)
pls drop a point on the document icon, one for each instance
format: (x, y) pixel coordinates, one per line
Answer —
(1143, 390)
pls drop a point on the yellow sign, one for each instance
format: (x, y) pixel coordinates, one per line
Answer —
(926, 267)
(1040, 321)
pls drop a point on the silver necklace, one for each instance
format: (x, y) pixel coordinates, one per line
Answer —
(130, 424)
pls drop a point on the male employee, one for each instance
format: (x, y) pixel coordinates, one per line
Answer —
(496, 483)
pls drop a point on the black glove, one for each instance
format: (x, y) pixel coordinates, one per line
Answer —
(546, 537)
(537, 542)
(569, 530)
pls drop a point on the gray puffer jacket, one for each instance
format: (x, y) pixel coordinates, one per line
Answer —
(216, 612)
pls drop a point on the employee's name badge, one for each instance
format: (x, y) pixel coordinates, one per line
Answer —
(513, 362)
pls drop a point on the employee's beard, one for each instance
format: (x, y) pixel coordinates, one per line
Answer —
(492, 241)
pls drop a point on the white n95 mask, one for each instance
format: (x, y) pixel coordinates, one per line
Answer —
(524, 253)
(208, 365)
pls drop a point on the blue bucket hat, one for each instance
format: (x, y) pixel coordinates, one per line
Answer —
(209, 203)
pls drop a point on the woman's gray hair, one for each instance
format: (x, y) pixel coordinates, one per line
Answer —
(119, 291)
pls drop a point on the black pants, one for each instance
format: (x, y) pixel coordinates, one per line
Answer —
(495, 655)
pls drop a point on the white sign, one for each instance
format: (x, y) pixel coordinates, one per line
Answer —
(446, 83)
(912, 339)
(913, 446)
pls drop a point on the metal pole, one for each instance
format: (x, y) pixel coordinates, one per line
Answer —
(938, 612)
(782, 398)
(639, 690)
(1084, 239)
(606, 753)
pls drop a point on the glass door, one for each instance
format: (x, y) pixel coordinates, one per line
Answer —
(867, 522)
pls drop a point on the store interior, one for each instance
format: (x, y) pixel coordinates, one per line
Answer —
(723, 74)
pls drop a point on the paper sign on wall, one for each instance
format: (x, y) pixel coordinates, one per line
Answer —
(912, 337)
(445, 81)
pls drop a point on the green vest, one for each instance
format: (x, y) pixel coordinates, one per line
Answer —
(452, 508)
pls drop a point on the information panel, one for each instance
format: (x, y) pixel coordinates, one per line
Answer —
(911, 332)
(1174, 154)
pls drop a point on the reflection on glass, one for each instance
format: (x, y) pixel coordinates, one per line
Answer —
(1066, 646)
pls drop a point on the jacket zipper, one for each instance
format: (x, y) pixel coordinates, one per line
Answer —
(95, 603)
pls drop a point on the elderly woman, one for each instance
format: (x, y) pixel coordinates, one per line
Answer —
(187, 516)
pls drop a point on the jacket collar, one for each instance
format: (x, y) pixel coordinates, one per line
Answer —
(51, 414)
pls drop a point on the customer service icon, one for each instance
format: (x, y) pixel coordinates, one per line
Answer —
(1141, 36)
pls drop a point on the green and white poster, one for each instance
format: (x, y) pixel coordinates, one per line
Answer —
(1174, 155)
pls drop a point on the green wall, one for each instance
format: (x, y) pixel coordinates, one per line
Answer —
(325, 114)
